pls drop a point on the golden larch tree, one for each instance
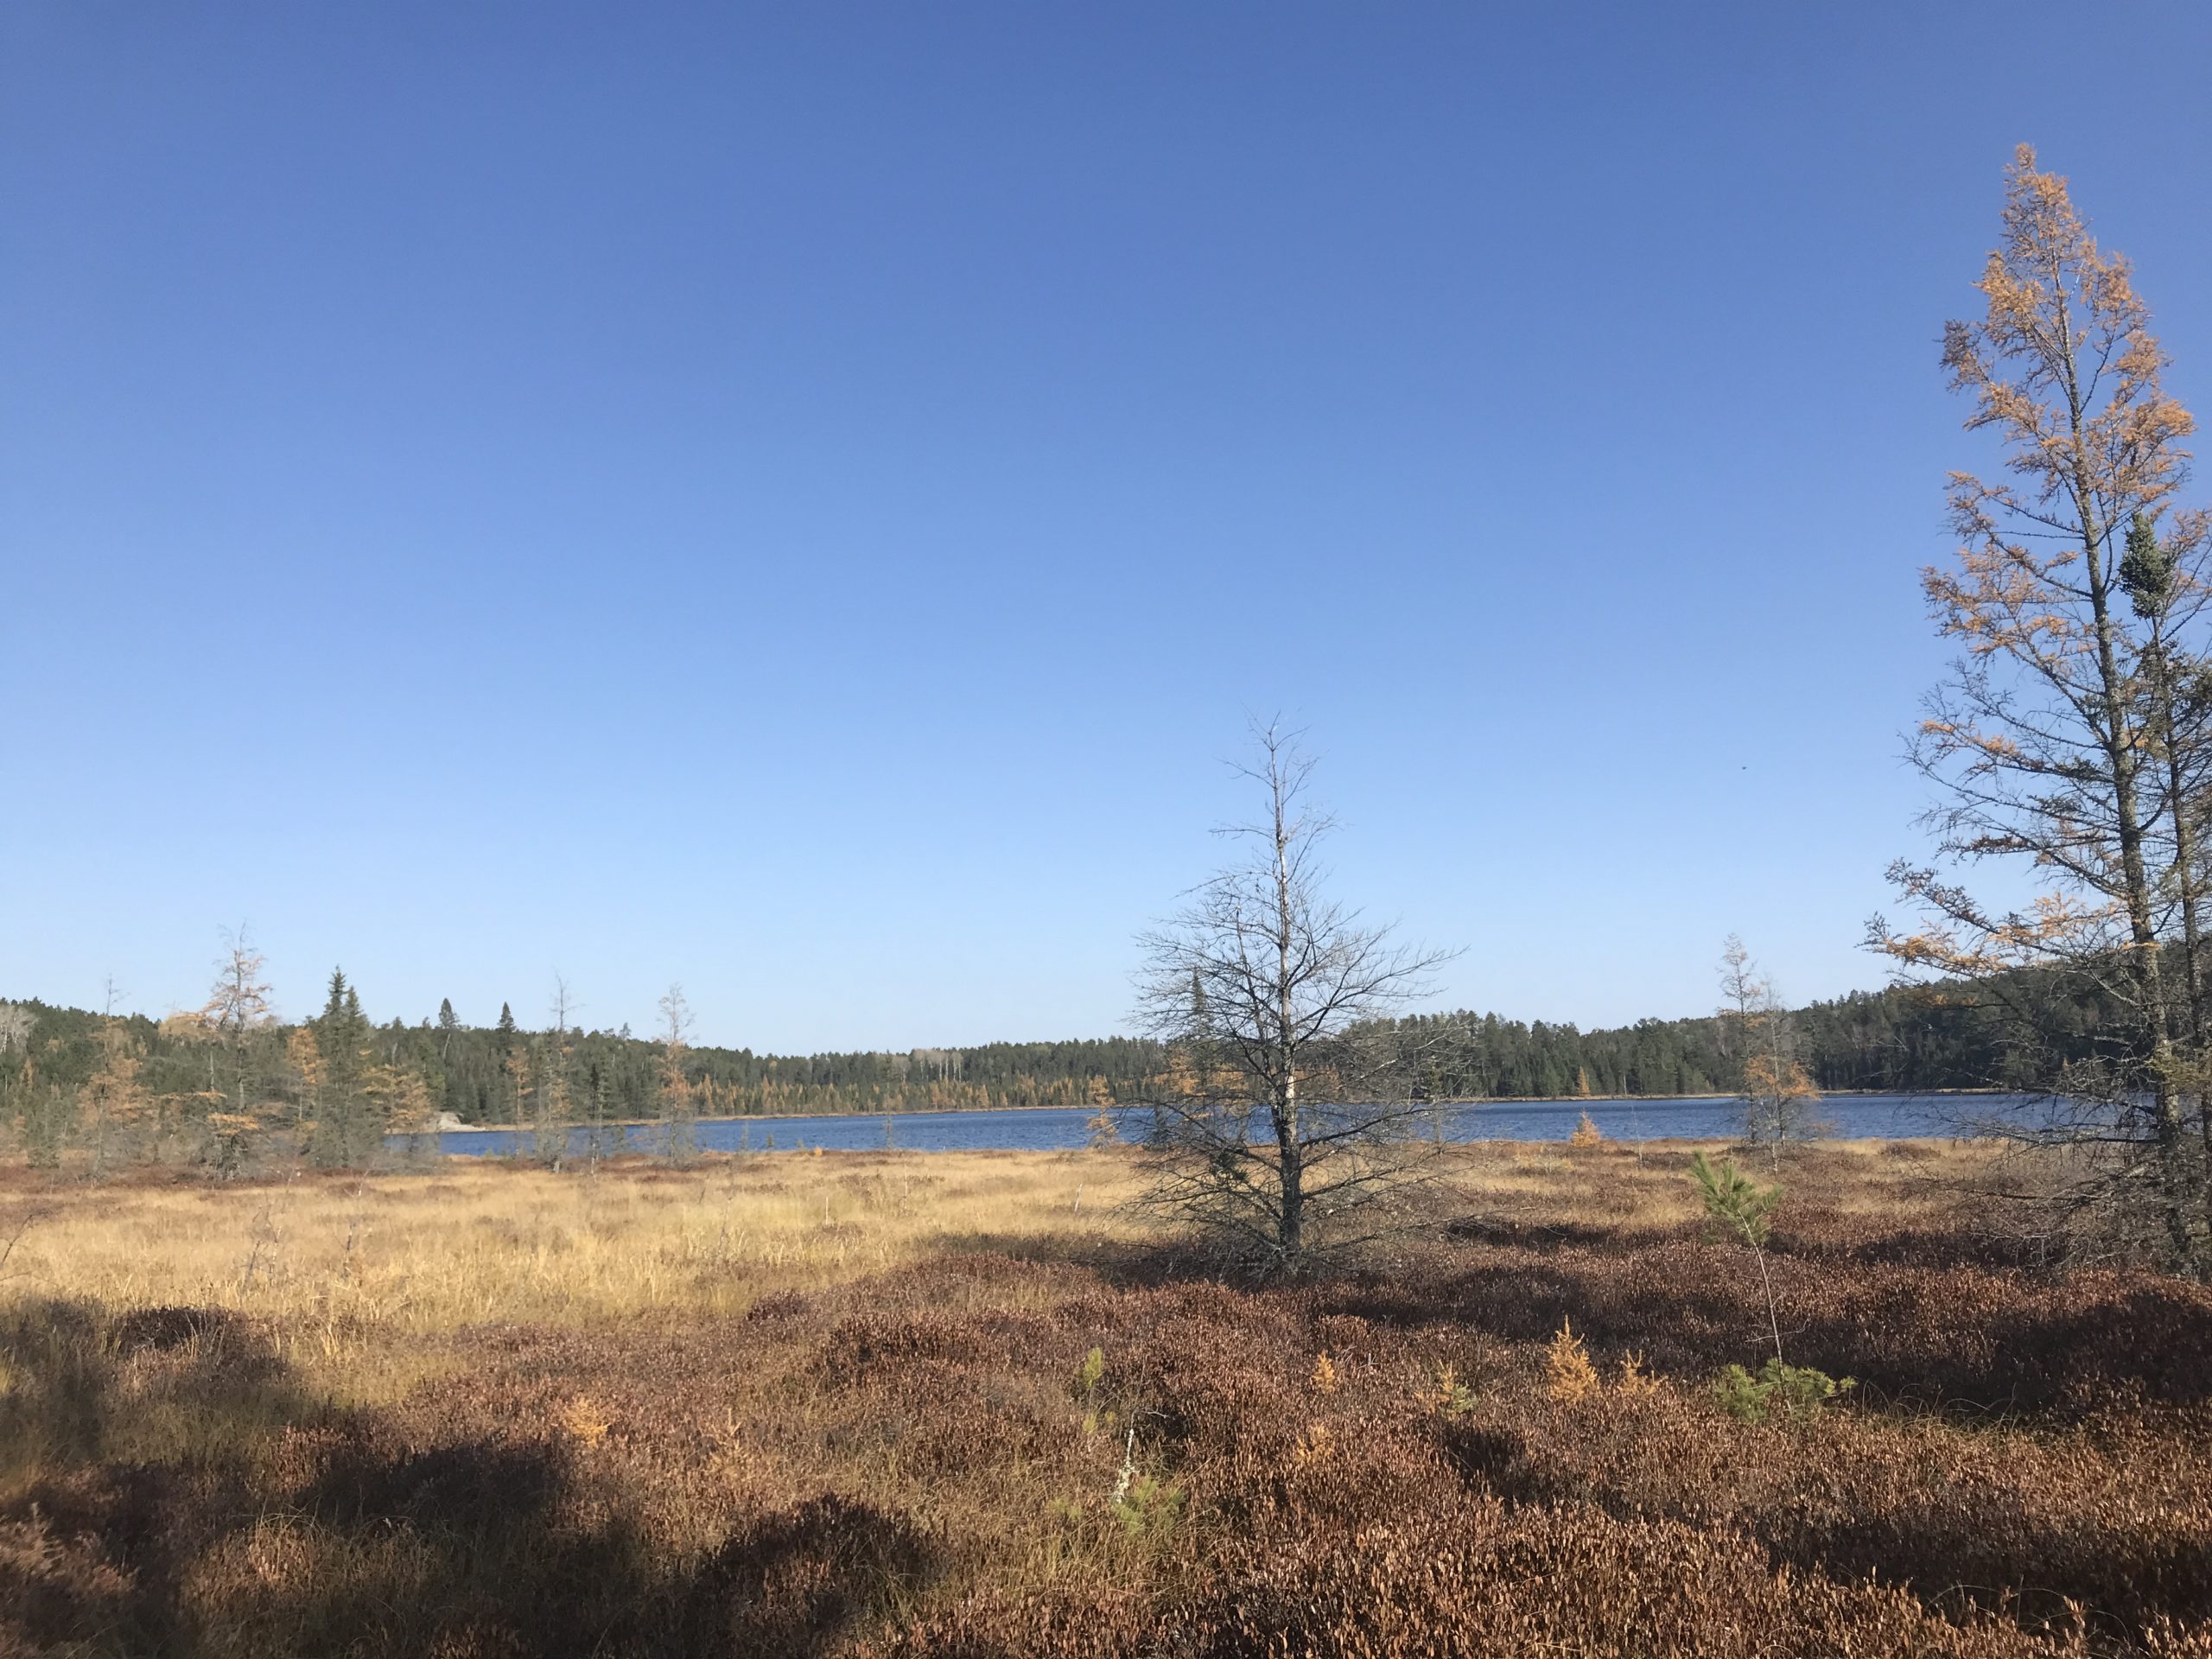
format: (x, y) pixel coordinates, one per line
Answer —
(2057, 741)
(114, 1101)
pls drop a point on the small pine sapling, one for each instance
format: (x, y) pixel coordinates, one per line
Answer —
(1793, 1392)
(1088, 1376)
(1147, 1508)
(1447, 1396)
(1744, 1208)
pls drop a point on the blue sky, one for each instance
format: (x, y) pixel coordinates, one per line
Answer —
(801, 500)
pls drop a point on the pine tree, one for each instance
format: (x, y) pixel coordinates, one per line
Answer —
(44, 1111)
(461, 1096)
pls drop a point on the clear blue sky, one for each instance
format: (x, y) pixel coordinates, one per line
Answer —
(800, 500)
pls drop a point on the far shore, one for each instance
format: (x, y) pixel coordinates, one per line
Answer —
(953, 1111)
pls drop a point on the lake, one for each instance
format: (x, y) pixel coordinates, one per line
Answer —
(1058, 1128)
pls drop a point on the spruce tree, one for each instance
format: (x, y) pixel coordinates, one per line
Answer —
(341, 1035)
(508, 1064)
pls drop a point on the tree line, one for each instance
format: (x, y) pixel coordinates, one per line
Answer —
(219, 1082)
(230, 1079)
(1902, 1039)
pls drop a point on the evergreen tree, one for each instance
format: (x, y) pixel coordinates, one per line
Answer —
(342, 1133)
(461, 1096)
(45, 1110)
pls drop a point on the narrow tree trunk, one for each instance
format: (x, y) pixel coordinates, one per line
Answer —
(1290, 1149)
(2149, 979)
(2184, 846)
(2120, 757)
(1773, 1317)
(2185, 833)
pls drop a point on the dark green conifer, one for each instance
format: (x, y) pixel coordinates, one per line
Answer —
(342, 1038)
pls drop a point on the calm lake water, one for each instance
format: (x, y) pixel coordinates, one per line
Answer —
(1056, 1129)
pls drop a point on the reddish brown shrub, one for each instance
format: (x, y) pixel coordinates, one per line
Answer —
(906, 1465)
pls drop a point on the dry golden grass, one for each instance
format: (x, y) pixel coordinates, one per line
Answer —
(334, 1263)
(465, 1243)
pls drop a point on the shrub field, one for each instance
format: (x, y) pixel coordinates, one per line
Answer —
(959, 1405)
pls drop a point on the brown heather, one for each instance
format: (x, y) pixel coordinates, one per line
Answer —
(839, 1406)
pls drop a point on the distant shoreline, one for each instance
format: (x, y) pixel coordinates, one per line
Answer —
(574, 1128)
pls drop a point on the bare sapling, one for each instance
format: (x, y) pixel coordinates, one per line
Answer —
(1755, 1030)
(1289, 1123)
(679, 1095)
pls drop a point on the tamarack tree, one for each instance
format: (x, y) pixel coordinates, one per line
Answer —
(1754, 1026)
(679, 1094)
(2069, 739)
(553, 1098)
(237, 1012)
(114, 1100)
(1287, 1122)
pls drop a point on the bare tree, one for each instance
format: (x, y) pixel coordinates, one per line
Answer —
(2070, 736)
(238, 1010)
(17, 1022)
(1755, 1029)
(1287, 1119)
(555, 1091)
(679, 1095)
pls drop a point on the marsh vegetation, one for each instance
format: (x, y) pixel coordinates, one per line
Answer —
(965, 1403)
